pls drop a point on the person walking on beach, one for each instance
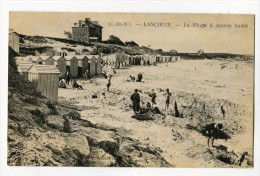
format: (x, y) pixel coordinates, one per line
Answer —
(168, 95)
(135, 97)
(109, 82)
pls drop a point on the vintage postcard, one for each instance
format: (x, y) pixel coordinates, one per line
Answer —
(161, 90)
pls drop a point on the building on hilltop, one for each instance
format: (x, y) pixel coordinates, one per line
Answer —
(87, 31)
(13, 40)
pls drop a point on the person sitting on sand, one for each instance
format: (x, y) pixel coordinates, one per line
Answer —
(62, 83)
(87, 75)
(148, 106)
(139, 77)
(135, 97)
(75, 85)
(132, 78)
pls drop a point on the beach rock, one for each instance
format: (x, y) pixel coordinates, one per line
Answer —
(99, 158)
(55, 122)
(134, 154)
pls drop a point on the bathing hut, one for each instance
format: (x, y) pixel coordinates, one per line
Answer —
(116, 59)
(60, 63)
(23, 68)
(47, 60)
(98, 64)
(137, 59)
(45, 78)
(72, 65)
(82, 64)
(37, 60)
(93, 66)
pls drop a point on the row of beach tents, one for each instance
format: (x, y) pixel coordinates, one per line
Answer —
(126, 59)
(77, 64)
(45, 71)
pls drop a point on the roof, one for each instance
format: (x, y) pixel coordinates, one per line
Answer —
(45, 57)
(21, 59)
(95, 23)
(90, 56)
(80, 56)
(24, 67)
(56, 57)
(44, 69)
(97, 56)
(34, 58)
(69, 57)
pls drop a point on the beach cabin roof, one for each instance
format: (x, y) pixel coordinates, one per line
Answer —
(97, 56)
(90, 56)
(68, 58)
(45, 57)
(34, 58)
(57, 57)
(80, 57)
(20, 59)
(44, 69)
(24, 67)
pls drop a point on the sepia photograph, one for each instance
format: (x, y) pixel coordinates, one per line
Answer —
(153, 90)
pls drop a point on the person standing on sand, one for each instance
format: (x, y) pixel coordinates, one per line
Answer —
(152, 94)
(168, 94)
(68, 75)
(212, 132)
(109, 82)
(135, 97)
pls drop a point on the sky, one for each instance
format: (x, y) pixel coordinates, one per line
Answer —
(172, 32)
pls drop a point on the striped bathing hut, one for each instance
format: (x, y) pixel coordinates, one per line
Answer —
(23, 68)
(82, 64)
(72, 65)
(47, 60)
(60, 63)
(45, 78)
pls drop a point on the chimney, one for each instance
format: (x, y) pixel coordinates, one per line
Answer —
(87, 19)
(80, 23)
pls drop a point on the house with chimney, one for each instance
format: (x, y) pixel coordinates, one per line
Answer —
(87, 31)
(13, 40)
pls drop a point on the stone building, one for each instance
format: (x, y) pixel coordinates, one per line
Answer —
(87, 31)
(13, 40)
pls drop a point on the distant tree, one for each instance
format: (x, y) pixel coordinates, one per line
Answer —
(115, 40)
(131, 43)
(68, 34)
(173, 51)
(200, 52)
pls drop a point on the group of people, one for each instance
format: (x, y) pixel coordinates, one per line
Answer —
(64, 83)
(139, 78)
(135, 97)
